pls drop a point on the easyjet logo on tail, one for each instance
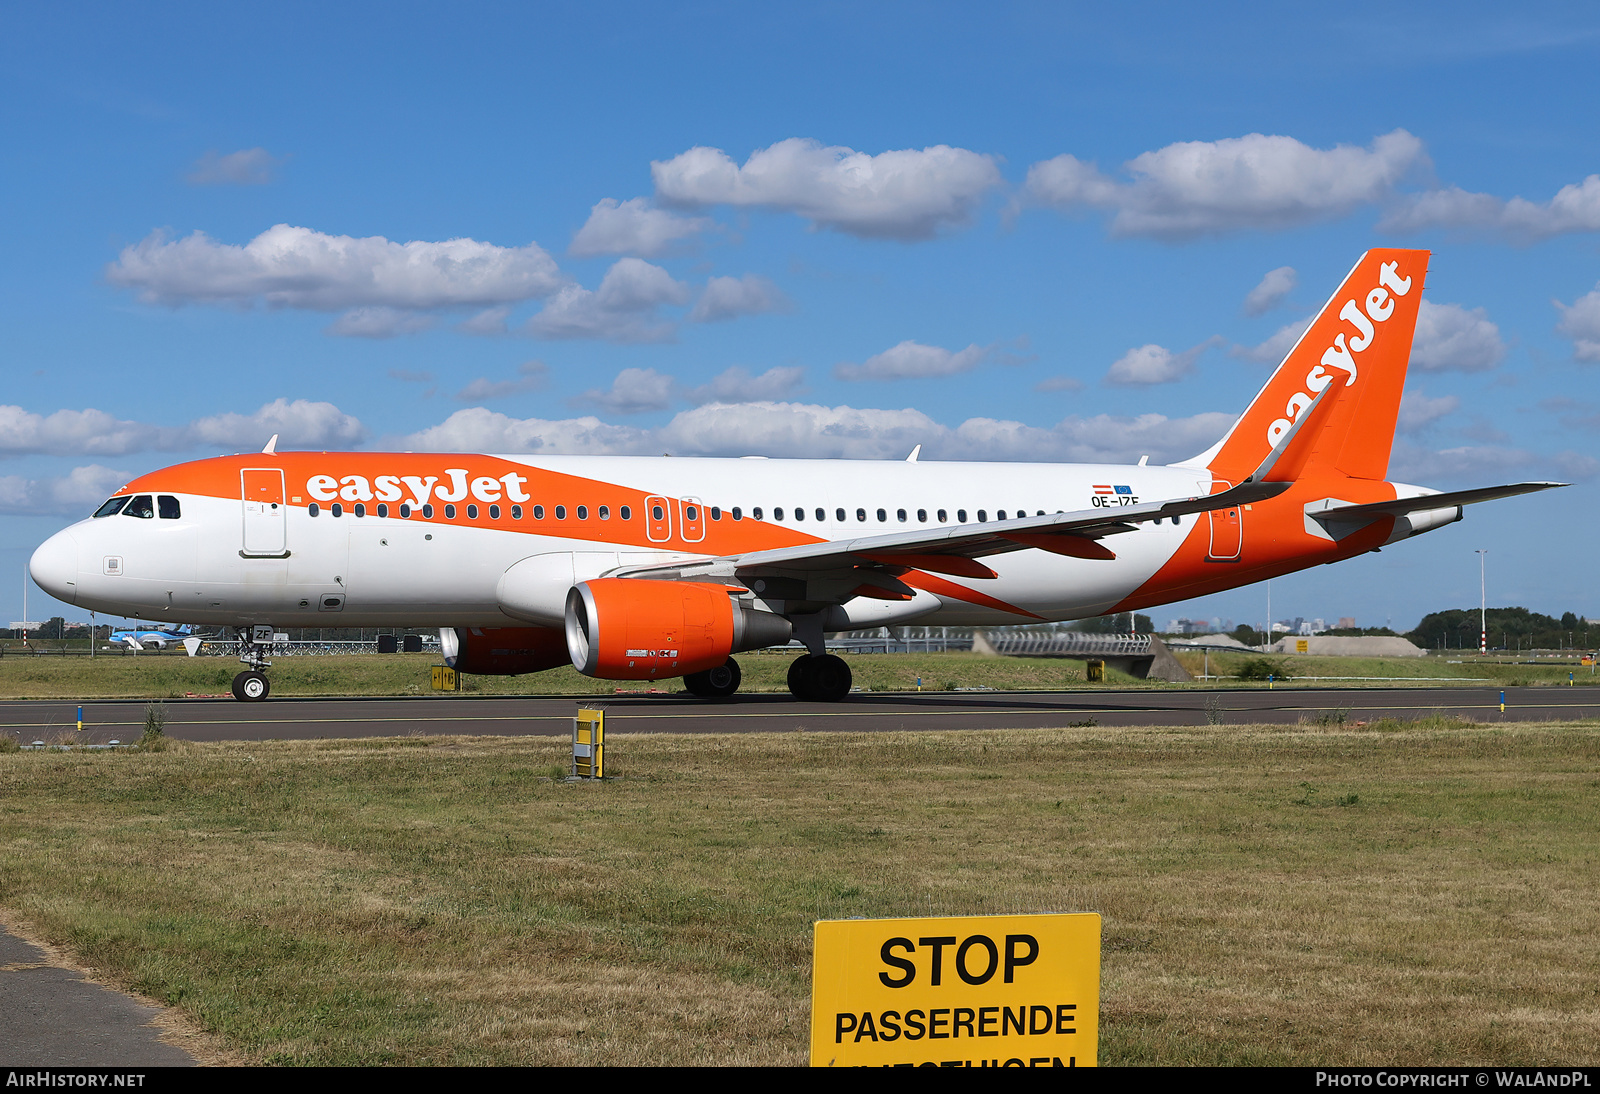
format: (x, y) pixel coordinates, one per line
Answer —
(1341, 355)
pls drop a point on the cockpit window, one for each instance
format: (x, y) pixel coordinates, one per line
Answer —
(140, 505)
(168, 507)
(112, 507)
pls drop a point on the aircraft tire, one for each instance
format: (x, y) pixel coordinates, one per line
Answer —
(717, 683)
(824, 679)
(251, 686)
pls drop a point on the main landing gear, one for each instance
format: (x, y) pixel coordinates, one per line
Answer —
(717, 683)
(819, 678)
(251, 686)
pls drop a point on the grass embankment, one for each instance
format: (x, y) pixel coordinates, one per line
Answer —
(1401, 894)
(1384, 671)
(173, 675)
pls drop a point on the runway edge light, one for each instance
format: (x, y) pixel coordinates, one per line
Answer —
(957, 991)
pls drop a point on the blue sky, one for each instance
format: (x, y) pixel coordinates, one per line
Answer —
(1026, 231)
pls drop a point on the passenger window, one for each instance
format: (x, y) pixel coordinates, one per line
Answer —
(494, 512)
(361, 509)
(167, 506)
(777, 514)
(861, 514)
(691, 513)
(983, 515)
(900, 515)
(449, 512)
(943, 519)
(882, 516)
(427, 511)
(516, 512)
(838, 515)
(338, 510)
(383, 510)
(405, 511)
(583, 512)
(922, 516)
(141, 507)
(756, 512)
(313, 509)
(112, 507)
(738, 513)
(961, 516)
(561, 512)
(822, 514)
(605, 512)
(799, 514)
(626, 513)
(538, 512)
(1000, 514)
(716, 512)
(1176, 520)
(657, 513)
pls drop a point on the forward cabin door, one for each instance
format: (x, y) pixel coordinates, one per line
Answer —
(265, 515)
(1227, 529)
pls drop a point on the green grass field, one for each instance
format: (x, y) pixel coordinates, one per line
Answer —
(1411, 893)
(173, 675)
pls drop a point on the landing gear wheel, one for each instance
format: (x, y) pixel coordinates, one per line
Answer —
(251, 687)
(717, 683)
(824, 679)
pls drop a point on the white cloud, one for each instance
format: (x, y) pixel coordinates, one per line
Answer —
(1276, 348)
(378, 322)
(531, 375)
(1152, 364)
(1451, 337)
(1195, 188)
(1475, 464)
(1575, 208)
(1418, 411)
(1575, 466)
(1580, 321)
(298, 424)
(249, 167)
(81, 433)
(736, 385)
(480, 430)
(293, 267)
(731, 297)
(634, 391)
(804, 430)
(633, 227)
(622, 309)
(487, 323)
(913, 361)
(1276, 285)
(74, 494)
(904, 195)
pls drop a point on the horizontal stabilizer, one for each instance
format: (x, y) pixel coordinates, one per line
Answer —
(1424, 502)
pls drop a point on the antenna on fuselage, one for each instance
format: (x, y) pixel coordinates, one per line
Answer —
(915, 452)
(271, 446)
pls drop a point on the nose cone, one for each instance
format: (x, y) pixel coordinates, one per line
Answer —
(55, 567)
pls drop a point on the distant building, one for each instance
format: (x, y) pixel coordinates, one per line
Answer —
(1347, 622)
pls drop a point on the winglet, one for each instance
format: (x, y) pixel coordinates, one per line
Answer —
(272, 446)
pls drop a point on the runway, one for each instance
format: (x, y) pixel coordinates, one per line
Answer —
(283, 719)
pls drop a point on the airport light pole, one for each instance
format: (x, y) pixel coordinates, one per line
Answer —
(1483, 606)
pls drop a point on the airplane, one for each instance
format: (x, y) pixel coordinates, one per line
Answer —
(152, 638)
(640, 568)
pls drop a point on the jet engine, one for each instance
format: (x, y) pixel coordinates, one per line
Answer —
(624, 629)
(502, 651)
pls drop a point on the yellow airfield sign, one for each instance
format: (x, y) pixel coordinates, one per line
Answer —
(967, 991)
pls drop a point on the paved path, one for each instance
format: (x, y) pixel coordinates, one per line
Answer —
(224, 719)
(52, 1017)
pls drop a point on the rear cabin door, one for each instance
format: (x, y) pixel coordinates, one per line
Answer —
(1227, 529)
(265, 516)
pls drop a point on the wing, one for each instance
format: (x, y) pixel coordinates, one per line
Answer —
(1423, 502)
(955, 549)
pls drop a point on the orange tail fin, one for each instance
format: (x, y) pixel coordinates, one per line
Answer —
(1361, 339)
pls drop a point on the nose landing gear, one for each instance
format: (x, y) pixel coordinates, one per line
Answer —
(819, 678)
(251, 686)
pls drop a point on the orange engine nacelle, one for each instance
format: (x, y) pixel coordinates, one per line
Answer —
(502, 651)
(623, 629)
